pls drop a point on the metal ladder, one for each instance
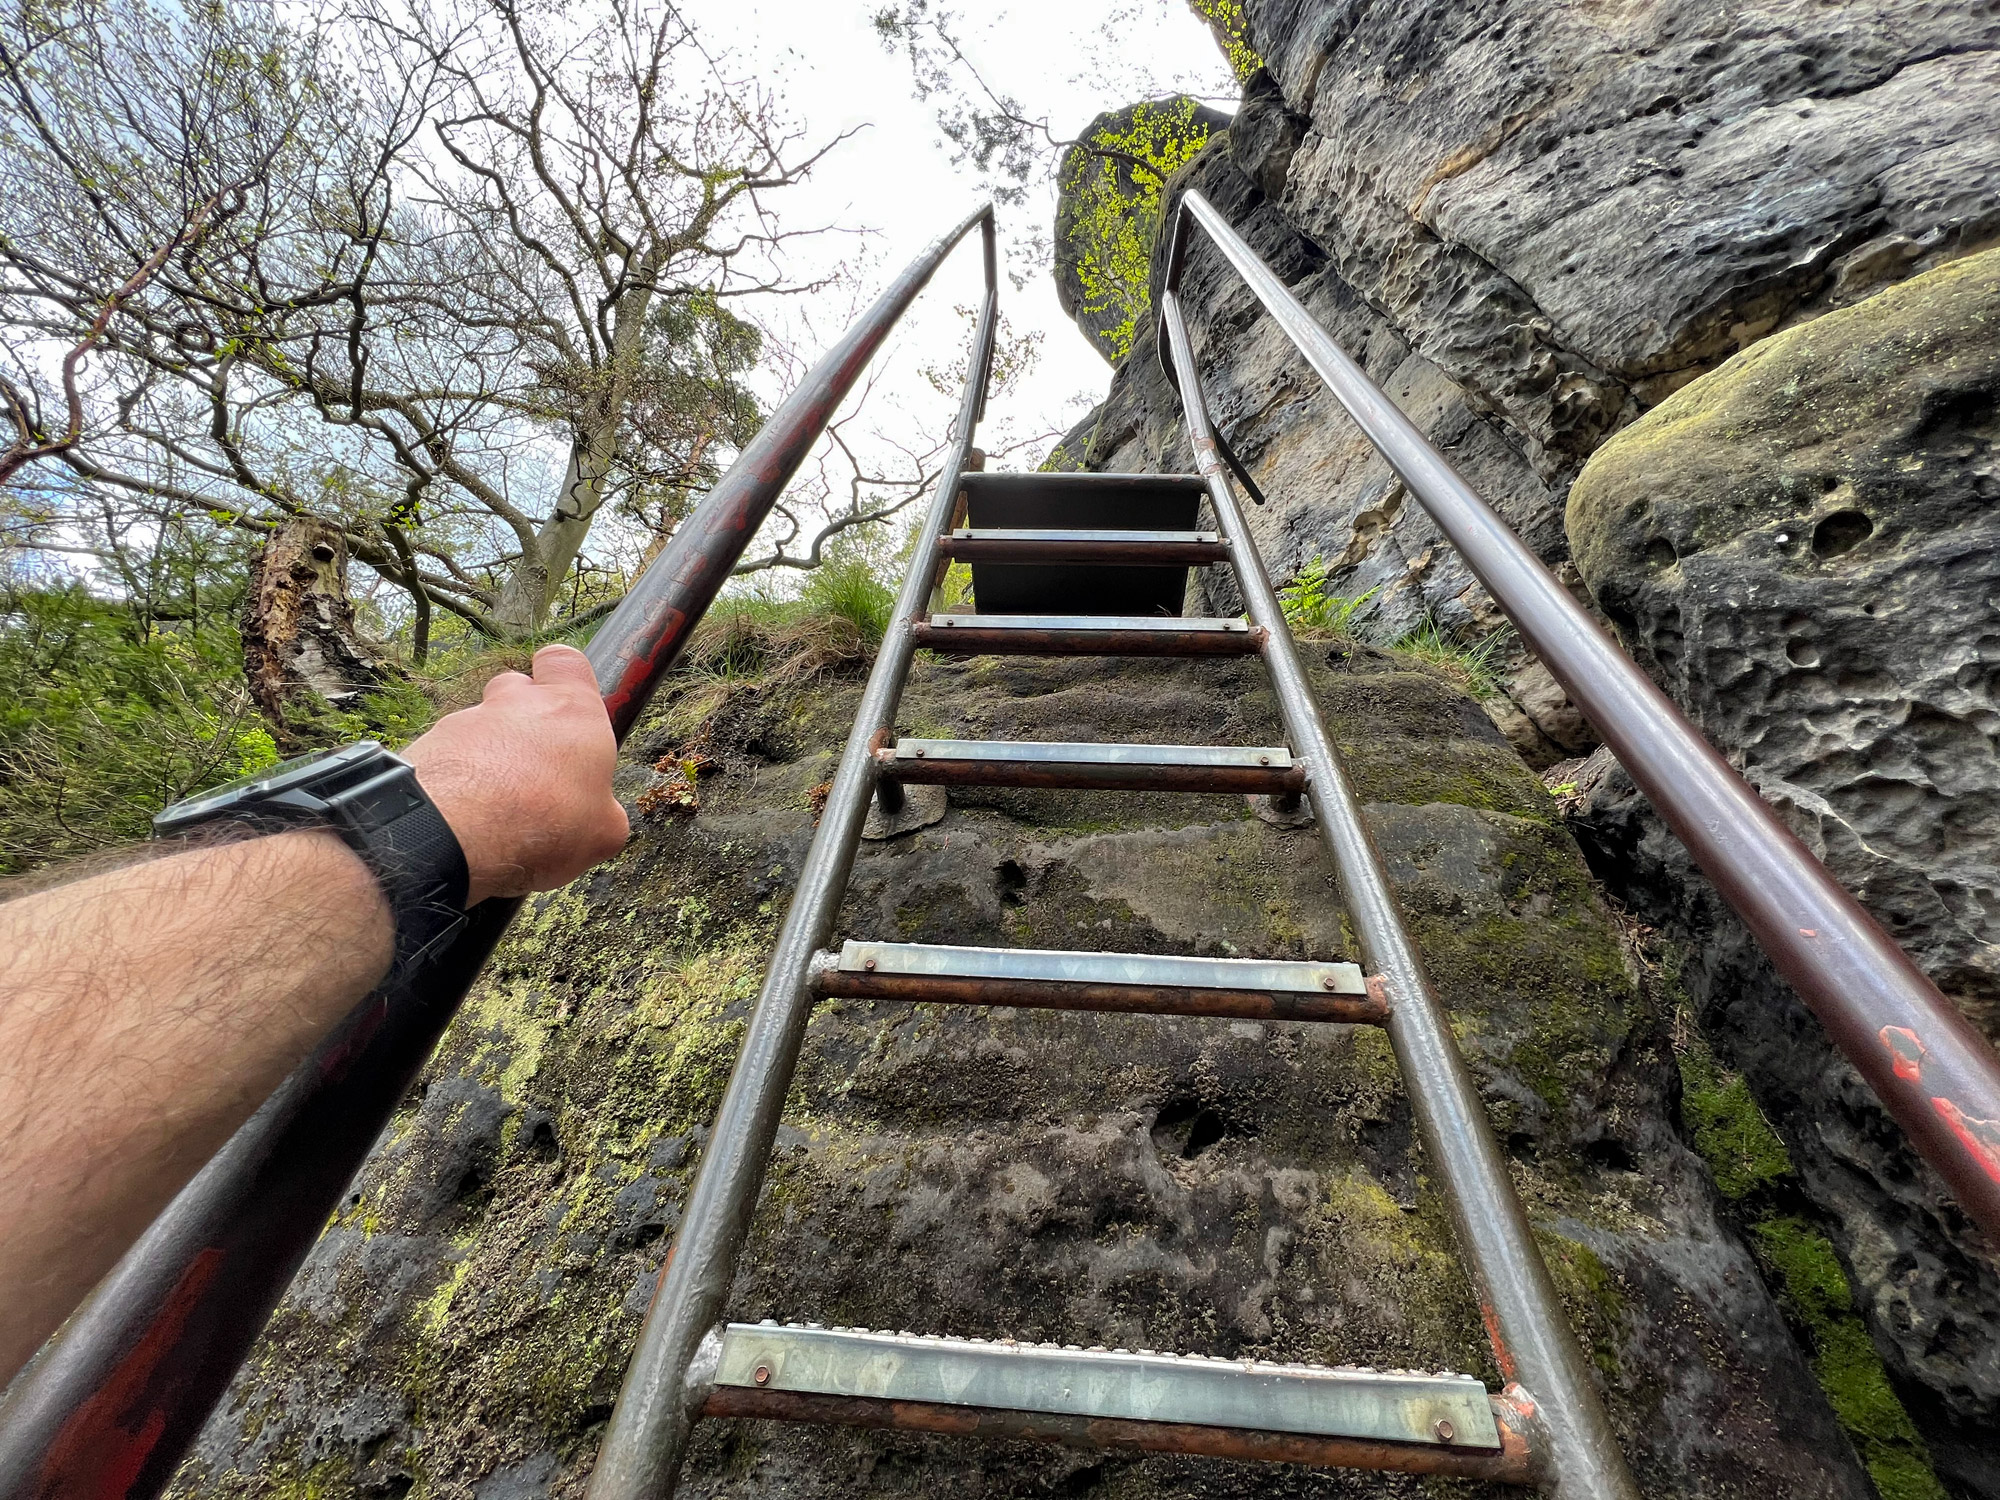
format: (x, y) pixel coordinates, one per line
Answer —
(1084, 564)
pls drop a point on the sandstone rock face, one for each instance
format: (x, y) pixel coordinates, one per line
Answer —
(1532, 221)
(1201, 1185)
(1569, 207)
(1804, 547)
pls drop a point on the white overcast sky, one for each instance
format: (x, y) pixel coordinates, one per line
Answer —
(1067, 59)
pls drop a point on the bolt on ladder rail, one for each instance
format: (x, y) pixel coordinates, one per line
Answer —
(1546, 1428)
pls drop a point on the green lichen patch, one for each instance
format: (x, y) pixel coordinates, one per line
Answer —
(1754, 1172)
(1726, 1126)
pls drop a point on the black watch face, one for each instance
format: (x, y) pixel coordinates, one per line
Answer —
(261, 784)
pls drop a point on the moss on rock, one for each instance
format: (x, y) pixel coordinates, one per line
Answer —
(1238, 1188)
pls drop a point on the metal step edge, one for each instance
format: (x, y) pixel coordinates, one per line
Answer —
(1275, 976)
(1040, 478)
(1438, 1409)
(1165, 624)
(1016, 534)
(1058, 752)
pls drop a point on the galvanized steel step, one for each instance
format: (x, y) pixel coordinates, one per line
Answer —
(1151, 549)
(1153, 984)
(1087, 635)
(1414, 1407)
(1128, 502)
(1106, 584)
(1268, 769)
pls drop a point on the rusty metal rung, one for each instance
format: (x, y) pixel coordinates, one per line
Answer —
(1165, 625)
(1269, 770)
(1443, 1409)
(1053, 964)
(1086, 635)
(1111, 983)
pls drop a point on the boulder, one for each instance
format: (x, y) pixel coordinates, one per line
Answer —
(1803, 547)
(1108, 205)
(1202, 1185)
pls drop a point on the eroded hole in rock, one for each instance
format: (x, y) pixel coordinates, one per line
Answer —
(474, 1186)
(1012, 882)
(1610, 1153)
(1840, 533)
(541, 1141)
(1660, 554)
(1802, 653)
(1186, 1128)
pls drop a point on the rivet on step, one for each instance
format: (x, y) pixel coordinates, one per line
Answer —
(1263, 760)
(870, 964)
(1329, 982)
(762, 1375)
(1444, 1430)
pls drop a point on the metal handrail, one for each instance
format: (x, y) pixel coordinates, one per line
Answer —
(1936, 1075)
(112, 1404)
(663, 1390)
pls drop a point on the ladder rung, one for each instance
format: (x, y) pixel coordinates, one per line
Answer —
(1144, 983)
(1340, 1415)
(1173, 549)
(1087, 635)
(1043, 763)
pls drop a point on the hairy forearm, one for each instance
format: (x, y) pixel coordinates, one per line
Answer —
(144, 1014)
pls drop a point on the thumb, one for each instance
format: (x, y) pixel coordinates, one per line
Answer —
(564, 666)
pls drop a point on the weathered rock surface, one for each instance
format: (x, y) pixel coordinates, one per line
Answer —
(1533, 221)
(1570, 206)
(1804, 547)
(1232, 1188)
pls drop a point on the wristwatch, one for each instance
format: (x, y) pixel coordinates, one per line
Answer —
(370, 797)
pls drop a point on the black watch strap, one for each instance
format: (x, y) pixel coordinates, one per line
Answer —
(415, 857)
(372, 799)
(404, 839)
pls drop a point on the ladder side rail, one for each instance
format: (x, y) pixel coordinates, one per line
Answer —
(1937, 1076)
(664, 1389)
(111, 1404)
(1532, 1342)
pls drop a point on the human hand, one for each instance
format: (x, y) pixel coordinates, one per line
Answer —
(524, 778)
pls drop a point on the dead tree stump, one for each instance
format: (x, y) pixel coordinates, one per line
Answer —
(303, 654)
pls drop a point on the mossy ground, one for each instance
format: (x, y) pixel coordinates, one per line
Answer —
(1240, 1188)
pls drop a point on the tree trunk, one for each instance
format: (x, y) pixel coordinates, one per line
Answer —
(525, 597)
(303, 656)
